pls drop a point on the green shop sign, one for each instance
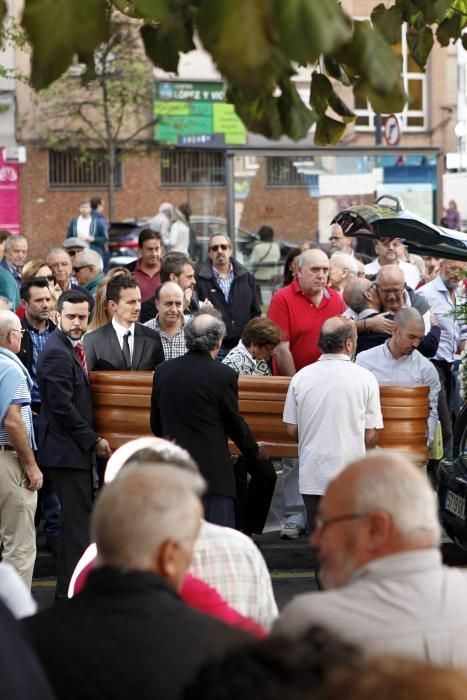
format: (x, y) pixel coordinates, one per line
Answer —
(195, 114)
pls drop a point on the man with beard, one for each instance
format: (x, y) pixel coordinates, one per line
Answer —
(67, 439)
(397, 361)
(377, 539)
(230, 288)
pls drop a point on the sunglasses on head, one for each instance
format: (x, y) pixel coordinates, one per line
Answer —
(81, 267)
(221, 246)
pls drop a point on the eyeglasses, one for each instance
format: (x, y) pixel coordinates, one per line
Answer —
(81, 267)
(323, 524)
(18, 330)
(221, 246)
(390, 290)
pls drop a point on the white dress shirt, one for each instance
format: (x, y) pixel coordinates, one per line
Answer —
(452, 332)
(121, 331)
(410, 369)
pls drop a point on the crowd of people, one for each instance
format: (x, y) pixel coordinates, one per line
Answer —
(167, 546)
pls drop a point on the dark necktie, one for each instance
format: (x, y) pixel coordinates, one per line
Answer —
(126, 349)
(81, 357)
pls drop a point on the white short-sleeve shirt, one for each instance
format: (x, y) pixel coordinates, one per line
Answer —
(333, 402)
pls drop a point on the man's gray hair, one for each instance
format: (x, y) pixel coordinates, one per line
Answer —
(216, 235)
(398, 487)
(204, 330)
(54, 251)
(11, 240)
(5, 303)
(407, 315)
(354, 294)
(90, 257)
(343, 260)
(143, 508)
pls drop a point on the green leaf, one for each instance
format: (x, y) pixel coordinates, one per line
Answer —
(388, 22)
(308, 28)
(420, 44)
(440, 7)
(259, 112)
(59, 29)
(320, 92)
(335, 70)
(464, 41)
(164, 43)
(295, 116)
(156, 10)
(382, 101)
(328, 131)
(242, 40)
(3, 14)
(340, 108)
(449, 28)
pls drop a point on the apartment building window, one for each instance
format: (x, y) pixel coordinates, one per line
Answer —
(287, 171)
(192, 168)
(414, 115)
(72, 169)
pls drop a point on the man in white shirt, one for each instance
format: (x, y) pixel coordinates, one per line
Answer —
(333, 410)
(377, 540)
(397, 361)
(388, 250)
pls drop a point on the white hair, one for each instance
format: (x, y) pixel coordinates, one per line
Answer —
(345, 260)
(11, 240)
(90, 257)
(391, 482)
(143, 508)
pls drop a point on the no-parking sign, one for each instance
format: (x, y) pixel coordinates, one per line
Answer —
(392, 130)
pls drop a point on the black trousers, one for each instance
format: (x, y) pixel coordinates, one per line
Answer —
(444, 404)
(254, 495)
(74, 489)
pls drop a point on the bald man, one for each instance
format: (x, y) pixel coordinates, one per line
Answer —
(397, 361)
(332, 410)
(169, 322)
(377, 540)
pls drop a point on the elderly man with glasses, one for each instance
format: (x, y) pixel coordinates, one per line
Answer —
(87, 268)
(378, 539)
(230, 288)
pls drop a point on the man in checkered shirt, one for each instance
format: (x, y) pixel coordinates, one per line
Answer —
(169, 322)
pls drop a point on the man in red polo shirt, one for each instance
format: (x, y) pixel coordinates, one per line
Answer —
(300, 310)
(147, 268)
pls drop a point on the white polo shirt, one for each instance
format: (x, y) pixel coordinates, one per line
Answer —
(333, 402)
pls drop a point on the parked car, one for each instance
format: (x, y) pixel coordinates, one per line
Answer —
(123, 239)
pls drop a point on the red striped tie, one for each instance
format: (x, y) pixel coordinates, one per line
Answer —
(81, 357)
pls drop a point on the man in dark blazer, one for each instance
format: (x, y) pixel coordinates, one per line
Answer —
(123, 344)
(67, 439)
(195, 402)
(128, 634)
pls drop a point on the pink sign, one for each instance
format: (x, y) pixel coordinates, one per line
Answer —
(9, 196)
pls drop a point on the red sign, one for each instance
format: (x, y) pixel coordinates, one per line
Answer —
(392, 130)
(9, 196)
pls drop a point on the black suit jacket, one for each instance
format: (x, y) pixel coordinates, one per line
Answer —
(103, 351)
(195, 402)
(127, 635)
(66, 426)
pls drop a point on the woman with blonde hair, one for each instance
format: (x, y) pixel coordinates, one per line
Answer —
(102, 314)
(40, 268)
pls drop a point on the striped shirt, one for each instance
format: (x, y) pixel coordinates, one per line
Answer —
(225, 283)
(23, 398)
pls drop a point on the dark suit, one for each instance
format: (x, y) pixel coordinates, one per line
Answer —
(66, 441)
(103, 351)
(195, 402)
(126, 635)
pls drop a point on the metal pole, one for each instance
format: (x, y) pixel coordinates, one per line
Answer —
(378, 129)
(230, 203)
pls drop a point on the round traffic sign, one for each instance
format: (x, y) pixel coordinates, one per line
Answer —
(392, 130)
